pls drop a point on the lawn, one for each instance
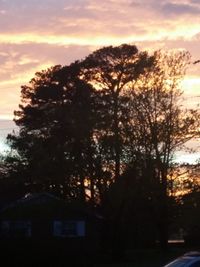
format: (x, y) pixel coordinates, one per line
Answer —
(146, 257)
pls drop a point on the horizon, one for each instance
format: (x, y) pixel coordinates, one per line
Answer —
(180, 156)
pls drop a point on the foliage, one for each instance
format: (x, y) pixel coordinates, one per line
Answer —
(112, 70)
(56, 122)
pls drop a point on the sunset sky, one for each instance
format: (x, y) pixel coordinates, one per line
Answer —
(36, 34)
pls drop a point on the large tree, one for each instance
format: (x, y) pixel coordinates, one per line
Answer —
(55, 120)
(111, 70)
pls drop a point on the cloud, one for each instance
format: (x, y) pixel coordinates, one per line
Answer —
(39, 16)
(196, 2)
(36, 33)
(18, 64)
(19, 58)
(91, 22)
(176, 9)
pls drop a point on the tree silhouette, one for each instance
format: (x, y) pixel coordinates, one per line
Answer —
(111, 70)
(160, 124)
(56, 125)
(115, 113)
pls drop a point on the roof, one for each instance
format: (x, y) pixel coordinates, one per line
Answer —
(42, 205)
(29, 199)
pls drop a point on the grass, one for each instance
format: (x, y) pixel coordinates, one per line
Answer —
(147, 257)
(60, 256)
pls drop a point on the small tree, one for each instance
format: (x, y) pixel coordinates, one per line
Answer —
(160, 125)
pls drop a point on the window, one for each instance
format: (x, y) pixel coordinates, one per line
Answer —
(69, 228)
(16, 228)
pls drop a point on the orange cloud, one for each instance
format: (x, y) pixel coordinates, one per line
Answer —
(63, 31)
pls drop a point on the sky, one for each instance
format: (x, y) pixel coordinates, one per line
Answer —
(37, 34)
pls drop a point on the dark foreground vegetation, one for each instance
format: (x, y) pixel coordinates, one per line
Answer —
(103, 131)
(147, 257)
(55, 254)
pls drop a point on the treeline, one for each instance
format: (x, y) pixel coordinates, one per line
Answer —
(104, 130)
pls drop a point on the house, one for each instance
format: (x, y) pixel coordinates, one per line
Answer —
(43, 220)
(42, 216)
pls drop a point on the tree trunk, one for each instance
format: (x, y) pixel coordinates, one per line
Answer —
(163, 216)
(116, 136)
(82, 188)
